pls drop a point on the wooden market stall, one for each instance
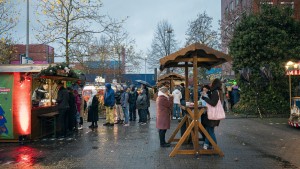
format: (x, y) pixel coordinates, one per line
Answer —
(22, 115)
(293, 69)
(170, 77)
(195, 55)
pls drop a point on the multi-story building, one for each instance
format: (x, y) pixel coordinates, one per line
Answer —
(232, 10)
(39, 53)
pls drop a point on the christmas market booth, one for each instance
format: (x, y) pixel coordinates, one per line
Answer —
(195, 55)
(170, 78)
(293, 69)
(28, 100)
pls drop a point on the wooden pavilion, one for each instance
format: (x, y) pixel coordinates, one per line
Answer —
(170, 77)
(195, 55)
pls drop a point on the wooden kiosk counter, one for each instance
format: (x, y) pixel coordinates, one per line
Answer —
(195, 55)
(27, 106)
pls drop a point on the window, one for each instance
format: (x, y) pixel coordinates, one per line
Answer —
(266, 2)
(287, 4)
(237, 2)
(231, 6)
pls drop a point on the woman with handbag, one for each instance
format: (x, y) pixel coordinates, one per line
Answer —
(213, 99)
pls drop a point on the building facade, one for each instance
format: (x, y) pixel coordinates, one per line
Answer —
(38, 53)
(231, 14)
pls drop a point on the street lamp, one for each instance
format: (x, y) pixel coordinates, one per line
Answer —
(169, 31)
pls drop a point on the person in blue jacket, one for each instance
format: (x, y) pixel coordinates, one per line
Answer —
(109, 102)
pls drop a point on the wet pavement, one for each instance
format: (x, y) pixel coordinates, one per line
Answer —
(246, 143)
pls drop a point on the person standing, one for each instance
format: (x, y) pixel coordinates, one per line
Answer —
(78, 102)
(120, 114)
(145, 88)
(132, 103)
(109, 102)
(92, 106)
(72, 110)
(142, 106)
(125, 105)
(164, 103)
(183, 103)
(63, 107)
(176, 108)
(212, 99)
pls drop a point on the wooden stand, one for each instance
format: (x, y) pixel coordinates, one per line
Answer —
(194, 127)
(195, 55)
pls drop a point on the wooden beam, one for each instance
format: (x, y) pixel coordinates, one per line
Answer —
(23, 68)
(196, 116)
(186, 72)
(199, 59)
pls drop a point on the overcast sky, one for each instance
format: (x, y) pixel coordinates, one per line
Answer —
(144, 16)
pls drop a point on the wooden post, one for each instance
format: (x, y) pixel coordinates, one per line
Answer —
(186, 69)
(196, 112)
(290, 86)
(50, 91)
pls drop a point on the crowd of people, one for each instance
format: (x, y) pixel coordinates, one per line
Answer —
(121, 106)
(169, 103)
(129, 103)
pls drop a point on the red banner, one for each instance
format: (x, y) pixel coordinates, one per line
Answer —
(293, 72)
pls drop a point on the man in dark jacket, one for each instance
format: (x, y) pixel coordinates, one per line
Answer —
(109, 102)
(183, 103)
(132, 103)
(142, 106)
(120, 115)
(63, 107)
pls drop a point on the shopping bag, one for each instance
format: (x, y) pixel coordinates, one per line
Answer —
(217, 112)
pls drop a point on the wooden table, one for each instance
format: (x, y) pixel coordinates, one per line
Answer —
(193, 129)
(48, 119)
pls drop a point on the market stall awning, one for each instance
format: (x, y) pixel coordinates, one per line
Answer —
(170, 76)
(206, 57)
(23, 68)
(59, 78)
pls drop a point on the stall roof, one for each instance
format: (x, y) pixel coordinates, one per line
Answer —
(171, 76)
(59, 78)
(23, 68)
(206, 57)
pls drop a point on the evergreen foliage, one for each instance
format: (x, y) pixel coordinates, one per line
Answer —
(269, 38)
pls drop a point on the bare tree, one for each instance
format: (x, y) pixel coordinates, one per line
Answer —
(200, 30)
(163, 43)
(68, 22)
(122, 47)
(8, 20)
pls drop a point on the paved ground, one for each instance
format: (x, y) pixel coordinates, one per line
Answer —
(246, 143)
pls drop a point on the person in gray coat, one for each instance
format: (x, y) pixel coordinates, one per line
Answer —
(125, 105)
(142, 106)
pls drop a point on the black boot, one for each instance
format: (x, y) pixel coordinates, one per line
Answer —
(162, 134)
(96, 125)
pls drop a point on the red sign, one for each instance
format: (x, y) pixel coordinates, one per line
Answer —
(4, 90)
(293, 72)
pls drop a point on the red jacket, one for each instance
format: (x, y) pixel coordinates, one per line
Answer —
(163, 111)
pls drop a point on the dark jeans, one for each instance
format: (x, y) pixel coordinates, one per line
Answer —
(142, 115)
(132, 112)
(183, 112)
(211, 132)
(162, 136)
(64, 121)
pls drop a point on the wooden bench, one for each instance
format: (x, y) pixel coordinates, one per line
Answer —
(48, 119)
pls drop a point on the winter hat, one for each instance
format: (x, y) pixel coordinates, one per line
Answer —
(163, 89)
